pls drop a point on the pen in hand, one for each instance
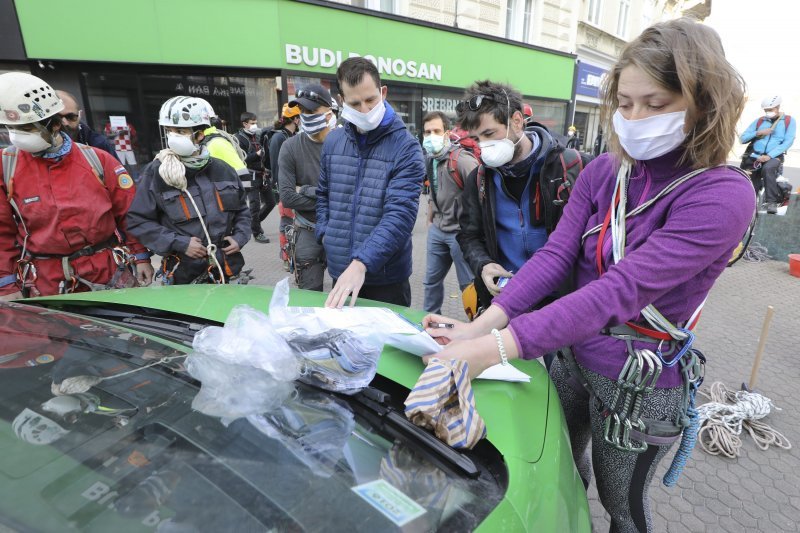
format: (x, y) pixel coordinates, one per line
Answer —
(441, 325)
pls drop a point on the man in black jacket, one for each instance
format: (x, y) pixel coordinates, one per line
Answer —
(78, 130)
(514, 199)
(249, 142)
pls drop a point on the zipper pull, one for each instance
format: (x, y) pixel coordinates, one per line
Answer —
(521, 218)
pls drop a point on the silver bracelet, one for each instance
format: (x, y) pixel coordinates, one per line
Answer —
(501, 348)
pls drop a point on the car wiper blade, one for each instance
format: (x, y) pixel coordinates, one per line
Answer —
(377, 403)
(175, 329)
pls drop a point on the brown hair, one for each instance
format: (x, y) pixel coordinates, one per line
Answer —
(353, 70)
(501, 101)
(433, 115)
(686, 57)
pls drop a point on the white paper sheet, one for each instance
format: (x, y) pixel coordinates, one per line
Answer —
(402, 333)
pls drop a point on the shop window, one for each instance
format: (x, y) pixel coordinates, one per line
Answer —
(441, 100)
(552, 115)
(407, 103)
(139, 97)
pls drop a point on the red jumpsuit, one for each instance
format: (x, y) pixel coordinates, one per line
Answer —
(65, 207)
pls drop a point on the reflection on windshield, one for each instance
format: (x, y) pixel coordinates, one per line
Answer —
(131, 454)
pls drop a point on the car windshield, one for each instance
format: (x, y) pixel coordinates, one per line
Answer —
(130, 454)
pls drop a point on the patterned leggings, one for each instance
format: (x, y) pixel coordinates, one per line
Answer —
(623, 478)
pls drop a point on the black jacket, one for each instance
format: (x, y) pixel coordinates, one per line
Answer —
(478, 234)
(87, 135)
(249, 144)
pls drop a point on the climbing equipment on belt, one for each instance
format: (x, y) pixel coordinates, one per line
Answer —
(624, 428)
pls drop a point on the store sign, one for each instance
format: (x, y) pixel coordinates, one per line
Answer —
(401, 68)
(589, 80)
(445, 105)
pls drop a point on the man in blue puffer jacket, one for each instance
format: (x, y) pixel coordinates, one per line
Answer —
(370, 180)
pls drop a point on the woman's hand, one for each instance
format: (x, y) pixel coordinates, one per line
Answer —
(480, 353)
(446, 330)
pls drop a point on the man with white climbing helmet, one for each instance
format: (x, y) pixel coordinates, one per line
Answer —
(190, 207)
(62, 205)
(770, 136)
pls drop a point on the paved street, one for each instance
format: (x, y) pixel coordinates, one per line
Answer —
(759, 491)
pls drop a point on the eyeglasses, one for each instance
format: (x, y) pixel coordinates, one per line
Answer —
(72, 117)
(311, 95)
(473, 103)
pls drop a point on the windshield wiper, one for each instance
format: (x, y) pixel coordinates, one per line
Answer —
(174, 329)
(375, 404)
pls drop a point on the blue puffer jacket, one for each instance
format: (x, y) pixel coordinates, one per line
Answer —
(367, 199)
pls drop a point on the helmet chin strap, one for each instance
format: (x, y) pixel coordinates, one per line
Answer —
(54, 145)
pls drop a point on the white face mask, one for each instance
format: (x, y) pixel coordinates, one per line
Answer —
(364, 121)
(252, 128)
(181, 144)
(650, 137)
(771, 114)
(497, 152)
(28, 141)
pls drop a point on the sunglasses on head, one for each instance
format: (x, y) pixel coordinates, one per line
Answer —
(474, 103)
(311, 95)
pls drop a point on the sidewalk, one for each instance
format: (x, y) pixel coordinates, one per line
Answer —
(759, 491)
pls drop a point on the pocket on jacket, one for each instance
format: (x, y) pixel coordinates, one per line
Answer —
(228, 195)
(179, 208)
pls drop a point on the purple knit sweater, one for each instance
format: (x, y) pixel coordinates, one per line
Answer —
(675, 251)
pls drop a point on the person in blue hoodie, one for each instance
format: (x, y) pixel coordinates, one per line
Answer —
(371, 176)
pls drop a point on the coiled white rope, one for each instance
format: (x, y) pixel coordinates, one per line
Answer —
(173, 172)
(728, 412)
(756, 253)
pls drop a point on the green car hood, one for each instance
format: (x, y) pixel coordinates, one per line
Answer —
(512, 439)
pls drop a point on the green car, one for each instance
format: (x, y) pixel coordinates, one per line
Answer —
(130, 454)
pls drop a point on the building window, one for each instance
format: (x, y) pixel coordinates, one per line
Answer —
(384, 6)
(622, 20)
(595, 7)
(519, 20)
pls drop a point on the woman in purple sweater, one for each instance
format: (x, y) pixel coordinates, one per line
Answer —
(641, 270)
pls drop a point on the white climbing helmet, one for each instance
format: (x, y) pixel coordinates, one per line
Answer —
(185, 112)
(771, 101)
(25, 99)
(33, 428)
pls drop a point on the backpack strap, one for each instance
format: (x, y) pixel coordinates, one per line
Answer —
(94, 161)
(481, 182)
(9, 167)
(452, 166)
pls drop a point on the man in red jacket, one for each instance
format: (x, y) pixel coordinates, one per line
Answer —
(62, 204)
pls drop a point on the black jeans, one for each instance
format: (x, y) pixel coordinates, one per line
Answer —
(393, 293)
(769, 174)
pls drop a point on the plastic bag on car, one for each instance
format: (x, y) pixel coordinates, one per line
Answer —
(244, 367)
(332, 358)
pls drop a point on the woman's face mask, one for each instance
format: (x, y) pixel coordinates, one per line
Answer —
(650, 137)
(650, 120)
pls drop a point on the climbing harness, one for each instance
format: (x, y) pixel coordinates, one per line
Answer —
(624, 428)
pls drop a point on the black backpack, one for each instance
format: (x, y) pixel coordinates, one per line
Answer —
(556, 180)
